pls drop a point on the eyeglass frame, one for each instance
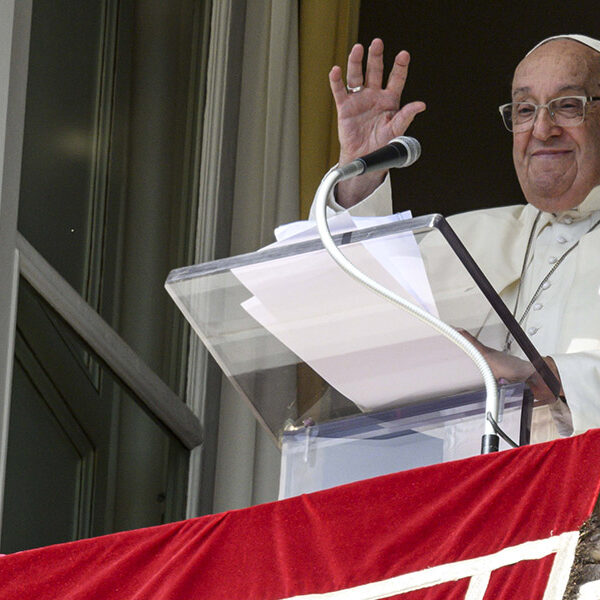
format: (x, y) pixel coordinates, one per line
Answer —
(586, 100)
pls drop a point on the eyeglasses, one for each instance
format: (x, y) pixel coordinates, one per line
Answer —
(566, 111)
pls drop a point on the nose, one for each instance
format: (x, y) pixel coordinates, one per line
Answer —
(543, 126)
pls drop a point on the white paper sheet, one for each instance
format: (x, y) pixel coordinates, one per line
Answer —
(300, 231)
(366, 347)
(402, 260)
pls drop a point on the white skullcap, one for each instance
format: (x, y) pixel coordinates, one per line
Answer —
(582, 39)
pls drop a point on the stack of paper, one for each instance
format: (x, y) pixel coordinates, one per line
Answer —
(368, 348)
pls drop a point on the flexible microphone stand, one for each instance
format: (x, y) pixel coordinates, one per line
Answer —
(490, 440)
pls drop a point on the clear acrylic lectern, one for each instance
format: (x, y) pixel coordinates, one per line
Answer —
(325, 363)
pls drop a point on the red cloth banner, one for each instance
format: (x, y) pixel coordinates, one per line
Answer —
(486, 528)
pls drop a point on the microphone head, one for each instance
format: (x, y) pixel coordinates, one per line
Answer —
(413, 148)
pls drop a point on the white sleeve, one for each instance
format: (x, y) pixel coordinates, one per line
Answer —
(580, 377)
(376, 204)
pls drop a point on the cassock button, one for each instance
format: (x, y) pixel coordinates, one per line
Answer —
(532, 330)
(552, 260)
(546, 285)
(568, 220)
(538, 306)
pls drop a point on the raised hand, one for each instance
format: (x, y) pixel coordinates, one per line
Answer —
(371, 117)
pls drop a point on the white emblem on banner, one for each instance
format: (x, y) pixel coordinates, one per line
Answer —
(478, 570)
(589, 591)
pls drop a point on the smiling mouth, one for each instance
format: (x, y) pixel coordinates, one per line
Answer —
(550, 153)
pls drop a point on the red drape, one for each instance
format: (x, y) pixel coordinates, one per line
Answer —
(338, 539)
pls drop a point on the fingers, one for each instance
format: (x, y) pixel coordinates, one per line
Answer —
(354, 73)
(374, 73)
(471, 338)
(404, 117)
(338, 89)
(399, 72)
(467, 335)
(373, 77)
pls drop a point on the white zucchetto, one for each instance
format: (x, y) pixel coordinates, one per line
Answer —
(582, 39)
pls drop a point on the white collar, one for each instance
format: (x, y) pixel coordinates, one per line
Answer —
(590, 205)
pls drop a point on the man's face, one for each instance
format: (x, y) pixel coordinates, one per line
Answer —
(558, 166)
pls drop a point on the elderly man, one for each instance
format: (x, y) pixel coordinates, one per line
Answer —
(550, 248)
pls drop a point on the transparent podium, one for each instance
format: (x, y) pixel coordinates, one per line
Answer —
(347, 384)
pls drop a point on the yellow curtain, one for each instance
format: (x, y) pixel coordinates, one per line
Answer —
(328, 29)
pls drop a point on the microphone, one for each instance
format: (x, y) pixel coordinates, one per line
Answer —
(400, 152)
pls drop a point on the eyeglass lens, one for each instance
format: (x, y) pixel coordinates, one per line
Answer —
(568, 111)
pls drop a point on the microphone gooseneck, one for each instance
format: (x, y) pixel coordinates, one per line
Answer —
(402, 152)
